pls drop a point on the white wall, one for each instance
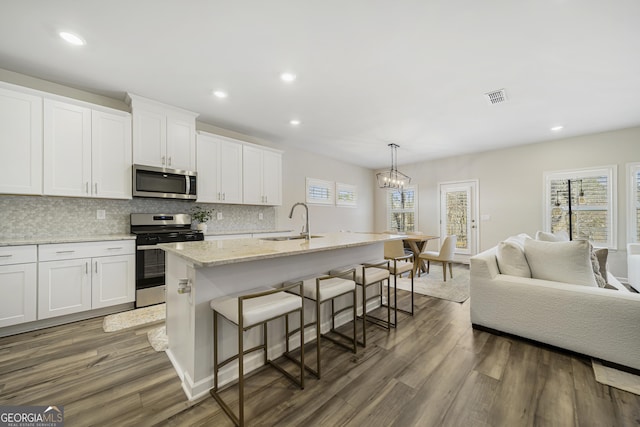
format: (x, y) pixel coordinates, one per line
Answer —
(297, 166)
(511, 184)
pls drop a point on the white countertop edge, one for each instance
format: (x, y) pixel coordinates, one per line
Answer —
(280, 249)
(45, 240)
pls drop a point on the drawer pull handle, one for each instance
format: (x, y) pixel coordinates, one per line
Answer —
(114, 249)
(6, 256)
(65, 252)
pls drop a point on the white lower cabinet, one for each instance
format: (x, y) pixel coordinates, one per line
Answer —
(64, 287)
(75, 277)
(18, 284)
(112, 280)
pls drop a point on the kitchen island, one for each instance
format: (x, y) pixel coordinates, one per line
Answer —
(217, 268)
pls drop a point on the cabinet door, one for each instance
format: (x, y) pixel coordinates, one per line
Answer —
(252, 176)
(149, 138)
(20, 143)
(111, 155)
(272, 178)
(230, 166)
(181, 142)
(208, 174)
(64, 287)
(18, 292)
(113, 280)
(67, 149)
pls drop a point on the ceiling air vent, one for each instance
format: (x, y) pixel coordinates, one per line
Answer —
(496, 96)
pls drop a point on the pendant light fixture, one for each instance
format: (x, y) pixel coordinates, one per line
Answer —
(393, 179)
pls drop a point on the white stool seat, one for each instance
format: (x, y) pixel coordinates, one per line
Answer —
(330, 288)
(256, 310)
(373, 274)
(401, 267)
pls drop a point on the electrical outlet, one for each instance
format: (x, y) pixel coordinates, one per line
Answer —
(219, 216)
(100, 214)
(260, 216)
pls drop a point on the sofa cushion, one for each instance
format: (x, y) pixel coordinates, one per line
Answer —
(568, 262)
(510, 256)
(560, 236)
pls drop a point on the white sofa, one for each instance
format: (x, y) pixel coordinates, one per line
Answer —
(598, 322)
(633, 265)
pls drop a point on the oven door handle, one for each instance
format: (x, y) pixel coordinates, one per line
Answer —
(147, 247)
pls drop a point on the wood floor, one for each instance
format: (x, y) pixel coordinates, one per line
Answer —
(433, 370)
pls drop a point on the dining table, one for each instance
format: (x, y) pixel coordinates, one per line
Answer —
(417, 243)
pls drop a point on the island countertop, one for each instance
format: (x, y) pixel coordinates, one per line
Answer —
(219, 252)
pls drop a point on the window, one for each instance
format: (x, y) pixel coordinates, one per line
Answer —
(634, 202)
(320, 191)
(346, 195)
(585, 199)
(402, 210)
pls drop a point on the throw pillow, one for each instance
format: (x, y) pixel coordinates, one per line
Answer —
(602, 255)
(511, 259)
(567, 262)
(595, 266)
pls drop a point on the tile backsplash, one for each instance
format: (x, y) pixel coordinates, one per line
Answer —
(29, 216)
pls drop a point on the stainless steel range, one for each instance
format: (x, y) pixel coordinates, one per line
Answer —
(150, 230)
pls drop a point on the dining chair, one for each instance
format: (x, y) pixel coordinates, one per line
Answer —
(445, 255)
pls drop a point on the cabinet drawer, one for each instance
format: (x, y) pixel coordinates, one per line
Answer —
(18, 254)
(60, 251)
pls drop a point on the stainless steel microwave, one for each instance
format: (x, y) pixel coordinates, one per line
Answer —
(164, 183)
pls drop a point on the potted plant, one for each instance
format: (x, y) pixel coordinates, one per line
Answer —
(201, 215)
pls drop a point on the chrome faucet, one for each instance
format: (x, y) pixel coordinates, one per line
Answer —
(307, 234)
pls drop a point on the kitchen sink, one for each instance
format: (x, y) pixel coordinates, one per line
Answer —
(285, 238)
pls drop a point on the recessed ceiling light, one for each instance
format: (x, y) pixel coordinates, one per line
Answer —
(71, 38)
(220, 94)
(287, 77)
(557, 128)
(294, 122)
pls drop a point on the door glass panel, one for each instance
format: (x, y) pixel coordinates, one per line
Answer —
(457, 209)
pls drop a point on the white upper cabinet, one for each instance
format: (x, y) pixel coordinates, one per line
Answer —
(67, 149)
(20, 141)
(111, 155)
(163, 136)
(262, 176)
(87, 152)
(219, 169)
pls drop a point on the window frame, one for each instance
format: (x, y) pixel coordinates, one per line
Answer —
(633, 202)
(328, 185)
(390, 211)
(611, 171)
(341, 187)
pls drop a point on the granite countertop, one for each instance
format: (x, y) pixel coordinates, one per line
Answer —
(220, 252)
(46, 239)
(231, 232)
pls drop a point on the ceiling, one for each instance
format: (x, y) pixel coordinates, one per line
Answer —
(369, 72)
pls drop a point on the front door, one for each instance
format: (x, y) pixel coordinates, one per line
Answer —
(458, 215)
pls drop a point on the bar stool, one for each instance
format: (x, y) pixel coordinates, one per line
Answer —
(255, 308)
(400, 263)
(328, 288)
(367, 275)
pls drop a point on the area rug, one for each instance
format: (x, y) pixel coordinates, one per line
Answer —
(433, 285)
(158, 338)
(131, 318)
(616, 378)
